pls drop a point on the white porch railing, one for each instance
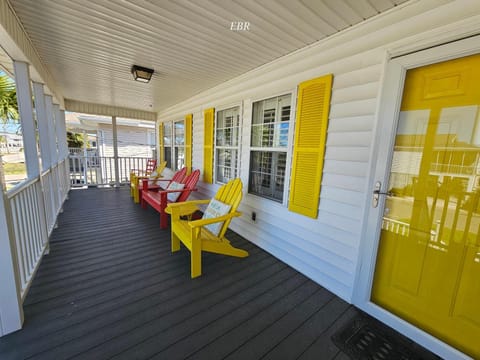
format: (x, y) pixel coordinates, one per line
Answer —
(99, 170)
(34, 206)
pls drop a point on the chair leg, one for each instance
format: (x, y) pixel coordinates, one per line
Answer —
(175, 242)
(195, 261)
(136, 196)
(163, 220)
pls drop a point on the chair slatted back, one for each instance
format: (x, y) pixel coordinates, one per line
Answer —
(231, 193)
(151, 165)
(158, 171)
(179, 176)
(190, 182)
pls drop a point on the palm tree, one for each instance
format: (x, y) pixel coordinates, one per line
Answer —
(8, 103)
(8, 100)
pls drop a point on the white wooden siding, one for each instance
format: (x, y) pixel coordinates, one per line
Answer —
(132, 142)
(325, 249)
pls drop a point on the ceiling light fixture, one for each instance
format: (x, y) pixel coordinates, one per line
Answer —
(141, 73)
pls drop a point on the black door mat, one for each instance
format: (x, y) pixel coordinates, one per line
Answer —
(365, 338)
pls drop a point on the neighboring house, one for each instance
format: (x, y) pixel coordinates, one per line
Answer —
(134, 138)
(10, 142)
(133, 141)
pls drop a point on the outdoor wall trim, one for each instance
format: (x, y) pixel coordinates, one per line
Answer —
(18, 46)
(106, 110)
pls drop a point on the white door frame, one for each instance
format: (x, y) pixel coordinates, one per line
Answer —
(387, 120)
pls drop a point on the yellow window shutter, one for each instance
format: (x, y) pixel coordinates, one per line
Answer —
(313, 105)
(160, 143)
(208, 116)
(188, 142)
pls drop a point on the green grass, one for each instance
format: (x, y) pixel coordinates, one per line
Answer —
(14, 168)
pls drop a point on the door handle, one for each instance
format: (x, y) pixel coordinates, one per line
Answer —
(377, 192)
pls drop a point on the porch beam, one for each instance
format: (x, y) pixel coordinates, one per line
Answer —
(107, 110)
(25, 109)
(42, 120)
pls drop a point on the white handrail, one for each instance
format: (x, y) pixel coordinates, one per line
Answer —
(34, 206)
(100, 170)
(20, 187)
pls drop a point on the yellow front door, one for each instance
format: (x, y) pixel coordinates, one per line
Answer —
(428, 262)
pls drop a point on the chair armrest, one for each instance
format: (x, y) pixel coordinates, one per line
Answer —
(203, 222)
(191, 202)
(143, 177)
(179, 190)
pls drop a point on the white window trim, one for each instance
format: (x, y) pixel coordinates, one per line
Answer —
(257, 199)
(240, 138)
(173, 145)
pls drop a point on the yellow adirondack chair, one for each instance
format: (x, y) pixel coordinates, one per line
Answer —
(196, 237)
(136, 181)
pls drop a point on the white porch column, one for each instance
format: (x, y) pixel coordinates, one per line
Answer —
(11, 310)
(52, 140)
(62, 138)
(42, 121)
(25, 109)
(85, 156)
(115, 150)
(56, 115)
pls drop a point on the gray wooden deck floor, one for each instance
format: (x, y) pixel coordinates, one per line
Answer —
(110, 288)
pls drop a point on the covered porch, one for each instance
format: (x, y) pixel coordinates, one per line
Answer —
(299, 100)
(110, 288)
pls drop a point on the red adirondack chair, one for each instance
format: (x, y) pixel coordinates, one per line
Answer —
(160, 199)
(135, 174)
(177, 177)
(162, 184)
(151, 165)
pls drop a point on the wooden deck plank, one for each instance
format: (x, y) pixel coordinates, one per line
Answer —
(314, 328)
(98, 335)
(161, 295)
(140, 337)
(240, 323)
(111, 288)
(324, 343)
(255, 337)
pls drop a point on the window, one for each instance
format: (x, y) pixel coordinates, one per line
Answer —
(179, 135)
(167, 143)
(269, 145)
(174, 144)
(226, 144)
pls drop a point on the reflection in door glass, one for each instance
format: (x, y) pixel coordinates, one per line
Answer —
(452, 185)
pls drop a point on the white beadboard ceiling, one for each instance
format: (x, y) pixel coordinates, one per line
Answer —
(89, 46)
